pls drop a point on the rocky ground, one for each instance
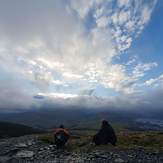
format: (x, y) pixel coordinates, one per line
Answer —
(28, 149)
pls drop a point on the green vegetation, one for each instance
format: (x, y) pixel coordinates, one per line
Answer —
(80, 141)
(47, 138)
(148, 140)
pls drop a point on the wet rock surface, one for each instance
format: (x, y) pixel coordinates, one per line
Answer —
(28, 149)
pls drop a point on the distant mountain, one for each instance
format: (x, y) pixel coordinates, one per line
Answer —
(48, 118)
(14, 130)
(71, 117)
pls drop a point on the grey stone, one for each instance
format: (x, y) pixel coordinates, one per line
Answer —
(21, 145)
(24, 154)
(4, 159)
(119, 160)
(28, 149)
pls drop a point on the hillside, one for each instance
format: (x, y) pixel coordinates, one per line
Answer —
(14, 130)
(82, 118)
(137, 147)
(132, 146)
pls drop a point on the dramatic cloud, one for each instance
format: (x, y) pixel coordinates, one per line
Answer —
(14, 97)
(157, 82)
(68, 47)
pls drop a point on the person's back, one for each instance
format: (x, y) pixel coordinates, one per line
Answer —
(61, 136)
(105, 135)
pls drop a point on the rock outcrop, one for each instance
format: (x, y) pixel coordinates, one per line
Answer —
(28, 149)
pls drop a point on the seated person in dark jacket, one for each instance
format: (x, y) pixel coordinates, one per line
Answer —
(105, 135)
(61, 136)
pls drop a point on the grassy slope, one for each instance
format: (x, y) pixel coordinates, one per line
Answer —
(81, 140)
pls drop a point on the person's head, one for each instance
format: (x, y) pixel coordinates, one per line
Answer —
(61, 126)
(104, 123)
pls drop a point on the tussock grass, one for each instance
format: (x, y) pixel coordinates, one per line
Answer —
(81, 141)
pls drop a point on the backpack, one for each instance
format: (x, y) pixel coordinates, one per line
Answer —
(60, 138)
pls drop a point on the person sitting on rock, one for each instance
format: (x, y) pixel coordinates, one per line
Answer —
(105, 135)
(61, 136)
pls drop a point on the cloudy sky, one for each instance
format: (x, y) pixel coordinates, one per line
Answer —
(79, 51)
